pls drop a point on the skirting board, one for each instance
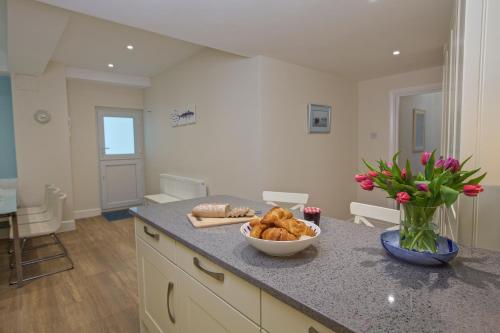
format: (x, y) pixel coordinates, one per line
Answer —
(85, 213)
(67, 225)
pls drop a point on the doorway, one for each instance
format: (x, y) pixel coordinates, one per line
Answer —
(121, 157)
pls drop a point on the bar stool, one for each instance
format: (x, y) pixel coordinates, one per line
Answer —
(43, 229)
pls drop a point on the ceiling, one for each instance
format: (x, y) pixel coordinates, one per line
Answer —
(92, 43)
(351, 38)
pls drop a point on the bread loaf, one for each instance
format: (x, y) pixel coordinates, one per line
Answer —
(211, 210)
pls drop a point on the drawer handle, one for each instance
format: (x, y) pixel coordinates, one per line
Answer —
(217, 276)
(150, 234)
(313, 330)
(169, 290)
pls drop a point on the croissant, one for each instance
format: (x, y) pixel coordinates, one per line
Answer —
(257, 230)
(276, 214)
(254, 221)
(295, 227)
(277, 234)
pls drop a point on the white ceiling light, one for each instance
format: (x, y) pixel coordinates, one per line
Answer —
(396, 52)
(130, 47)
(111, 65)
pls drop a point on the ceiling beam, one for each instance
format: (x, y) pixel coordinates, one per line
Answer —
(109, 78)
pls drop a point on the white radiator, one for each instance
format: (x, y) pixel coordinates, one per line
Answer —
(182, 187)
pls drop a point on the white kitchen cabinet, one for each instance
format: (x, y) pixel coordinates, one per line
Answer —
(183, 292)
(277, 317)
(157, 290)
(201, 311)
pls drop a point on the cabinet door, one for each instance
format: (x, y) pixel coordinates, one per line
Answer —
(201, 311)
(157, 289)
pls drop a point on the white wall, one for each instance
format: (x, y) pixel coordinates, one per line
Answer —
(83, 97)
(374, 118)
(251, 130)
(294, 160)
(432, 104)
(42, 151)
(222, 147)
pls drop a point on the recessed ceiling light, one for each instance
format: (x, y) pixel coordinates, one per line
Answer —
(396, 52)
(111, 65)
(130, 47)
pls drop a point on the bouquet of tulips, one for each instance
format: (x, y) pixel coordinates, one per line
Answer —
(420, 194)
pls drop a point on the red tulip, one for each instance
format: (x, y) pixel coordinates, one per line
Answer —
(439, 163)
(372, 174)
(425, 157)
(423, 187)
(404, 173)
(387, 173)
(472, 190)
(367, 185)
(360, 177)
(452, 164)
(403, 197)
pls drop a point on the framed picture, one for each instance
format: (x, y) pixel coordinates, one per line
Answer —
(183, 116)
(418, 130)
(319, 118)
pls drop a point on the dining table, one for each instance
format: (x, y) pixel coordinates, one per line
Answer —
(8, 209)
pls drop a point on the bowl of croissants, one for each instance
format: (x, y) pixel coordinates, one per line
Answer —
(278, 233)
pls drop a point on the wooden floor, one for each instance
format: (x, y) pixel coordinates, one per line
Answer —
(98, 295)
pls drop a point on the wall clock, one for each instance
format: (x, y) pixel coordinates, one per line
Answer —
(42, 116)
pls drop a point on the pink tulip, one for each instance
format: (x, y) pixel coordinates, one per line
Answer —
(452, 164)
(423, 187)
(439, 163)
(372, 174)
(389, 165)
(367, 185)
(403, 197)
(425, 157)
(387, 173)
(472, 190)
(404, 173)
(360, 177)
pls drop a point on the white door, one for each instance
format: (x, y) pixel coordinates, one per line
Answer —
(121, 157)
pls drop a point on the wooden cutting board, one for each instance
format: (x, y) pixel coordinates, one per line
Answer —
(205, 222)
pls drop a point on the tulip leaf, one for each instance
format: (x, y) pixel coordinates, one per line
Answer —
(429, 167)
(368, 165)
(477, 180)
(448, 195)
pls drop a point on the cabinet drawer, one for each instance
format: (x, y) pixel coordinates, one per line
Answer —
(278, 317)
(163, 244)
(240, 294)
(201, 311)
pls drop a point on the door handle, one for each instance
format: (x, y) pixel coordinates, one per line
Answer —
(169, 291)
(150, 234)
(217, 276)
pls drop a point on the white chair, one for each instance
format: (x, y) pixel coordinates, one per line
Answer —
(45, 228)
(363, 211)
(299, 199)
(52, 200)
(38, 209)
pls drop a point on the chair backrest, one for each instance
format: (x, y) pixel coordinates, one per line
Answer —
(299, 199)
(363, 211)
(49, 188)
(52, 198)
(182, 187)
(55, 223)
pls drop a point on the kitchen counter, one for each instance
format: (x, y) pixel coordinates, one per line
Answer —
(346, 281)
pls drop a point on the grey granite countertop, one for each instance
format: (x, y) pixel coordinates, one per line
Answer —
(347, 281)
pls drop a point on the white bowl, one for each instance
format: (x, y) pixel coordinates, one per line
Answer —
(280, 248)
